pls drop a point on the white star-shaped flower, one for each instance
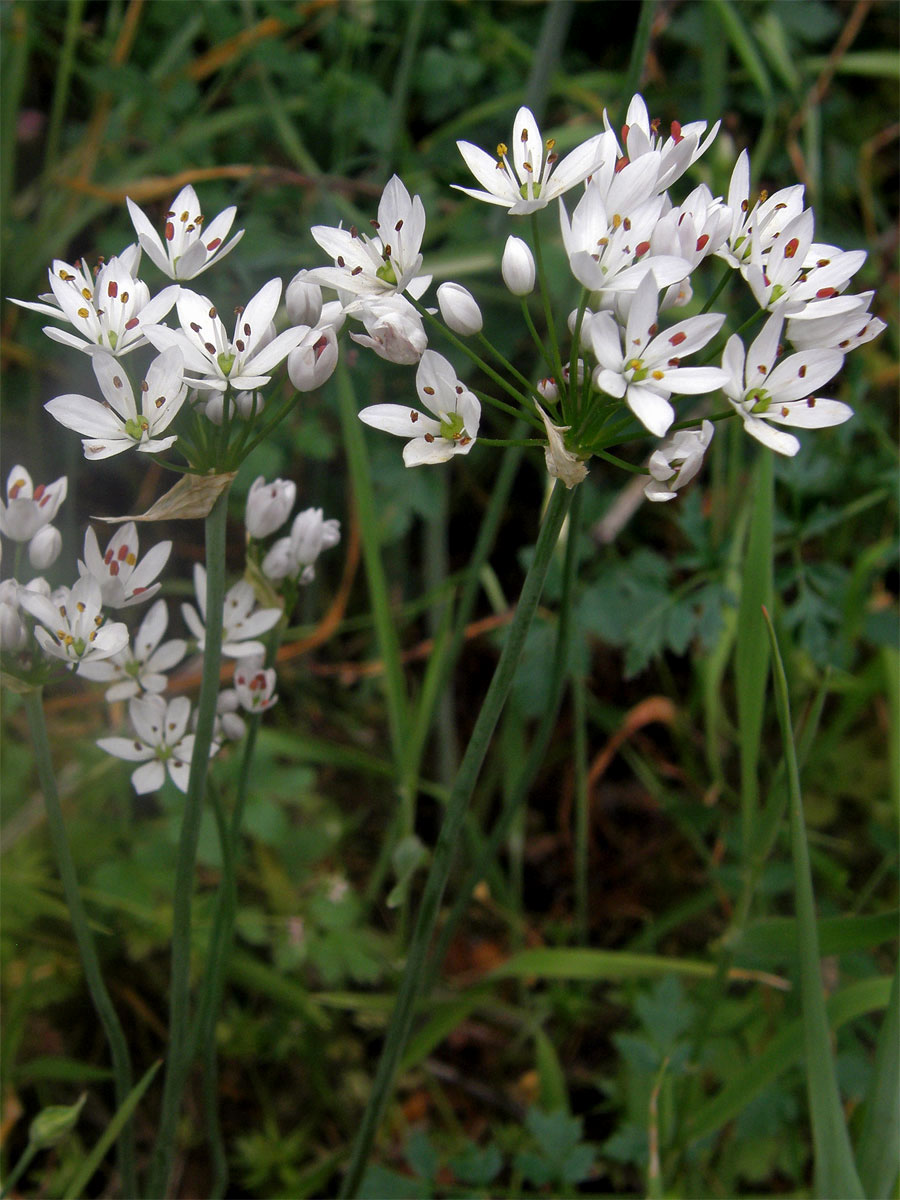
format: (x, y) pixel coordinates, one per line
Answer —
(535, 176)
(764, 391)
(240, 623)
(643, 365)
(123, 581)
(28, 509)
(214, 361)
(110, 314)
(457, 410)
(379, 266)
(160, 744)
(141, 669)
(117, 425)
(189, 248)
(74, 627)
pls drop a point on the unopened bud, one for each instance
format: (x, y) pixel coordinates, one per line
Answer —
(269, 505)
(303, 300)
(44, 548)
(517, 267)
(459, 309)
(548, 390)
(55, 1123)
(314, 360)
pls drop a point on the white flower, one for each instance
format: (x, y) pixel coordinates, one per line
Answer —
(161, 743)
(763, 222)
(517, 267)
(648, 370)
(535, 176)
(142, 668)
(796, 271)
(458, 415)
(312, 362)
(459, 309)
(382, 265)
(122, 582)
(677, 461)
(117, 425)
(241, 623)
(297, 554)
(394, 330)
(75, 628)
(693, 230)
(29, 509)
(254, 685)
(110, 314)
(839, 322)
(640, 137)
(303, 300)
(13, 630)
(213, 360)
(268, 505)
(561, 463)
(608, 241)
(189, 249)
(228, 723)
(763, 392)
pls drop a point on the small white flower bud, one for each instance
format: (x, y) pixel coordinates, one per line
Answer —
(548, 390)
(13, 634)
(44, 548)
(314, 360)
(517, 267)
(459, 309)
(303, 300)
(279, 563)
(269, 505)
(394, 330)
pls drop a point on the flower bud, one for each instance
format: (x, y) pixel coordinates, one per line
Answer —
(459, 309)
(279, 563)
(548, 390)
(517, 267)
(269, 505)
(44, 547)
(13, 634)
(314, 360)
(394, 330)
(55, 1123)
(303, 300)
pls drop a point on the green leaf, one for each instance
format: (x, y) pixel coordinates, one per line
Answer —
(477, 1166)
(409, 854)
(774, 940)
(878, 1153)
(554, 1093)
(835, 1169)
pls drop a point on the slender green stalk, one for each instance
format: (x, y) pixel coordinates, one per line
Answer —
(518, 792)
(457, 805)
(582, 813)
(74, 11)
(505, 363)
(394, 680)
(639, 49)
(538, 340)
(19, 1169)
(178, 1060)
(555, 356)
(118, 1046)
(836, 1175)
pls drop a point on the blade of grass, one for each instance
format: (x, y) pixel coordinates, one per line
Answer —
(835, 1170)
(364, 495)
(112, 1131)
(878, 1153)
(782, 1052)
(752, 651)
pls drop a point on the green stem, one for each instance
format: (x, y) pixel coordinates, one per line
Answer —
(639, 49)
(457, 805)
(538, 340)
(555, 357)
(505, 363)
(180, 1053)
(19, 1169)
(93, 976)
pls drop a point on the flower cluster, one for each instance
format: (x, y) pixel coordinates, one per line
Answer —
(634, 250)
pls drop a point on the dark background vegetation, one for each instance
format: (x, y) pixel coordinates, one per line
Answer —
(298, 113)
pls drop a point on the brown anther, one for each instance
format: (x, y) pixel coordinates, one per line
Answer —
(429, 391)
(802, 372)
(429, 437)
(160, 401)
(811, 402)
(209, 347)
(112, 289)
(398, 226)
(117, 382)
(413, 415)
(213, 314)
(677, 338)
(213, 245)
(356, 271)
(239, 344)
(145, 386)
(340, 261)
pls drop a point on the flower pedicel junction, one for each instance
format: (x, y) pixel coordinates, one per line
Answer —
(174, 382)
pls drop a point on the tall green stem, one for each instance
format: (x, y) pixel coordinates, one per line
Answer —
(102, 1003)
(457, 805)
(180, 1043)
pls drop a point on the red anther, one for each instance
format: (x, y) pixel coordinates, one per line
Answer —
(319, 347)
(113, 568)
(137, 591)
(214, 244)
(107, 557)
(413, 415)
(132, 323)
(677, 338)
(398, 226)
(702, 240)
(641, 248)
(802, 372)
(824, 293)
(625, 129)
(170, 231)
(811, 402)
(123, 552)
(674, 362)
(823, 262)
(39, 491)
(791, 248)
(675, 129)
(621, 162)
(112, 289)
